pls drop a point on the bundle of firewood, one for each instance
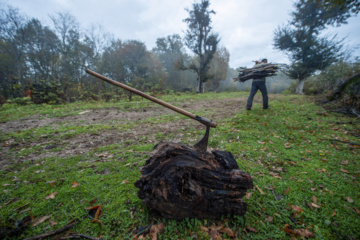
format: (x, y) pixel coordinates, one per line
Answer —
(258, 71)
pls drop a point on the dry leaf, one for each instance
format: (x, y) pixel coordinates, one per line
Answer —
(214, 234)
(345, 171)
(228, 231)
(349, 199)
(311, 181)
(51, 196)
(305, 233)
(251, 229)
(75, 184)
(314, 199)
(40, 220)
(269, 218)
(286, 191)
(248, 195)
(315, 205)
(334, 213)
(155, 229)
(125, 181)
(261, 191)
(92, 202)
(52, 223)
(345, 162)
(297, 208)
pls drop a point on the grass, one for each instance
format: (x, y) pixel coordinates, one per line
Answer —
(293, 148)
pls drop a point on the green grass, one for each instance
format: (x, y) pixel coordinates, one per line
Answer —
(290, 146)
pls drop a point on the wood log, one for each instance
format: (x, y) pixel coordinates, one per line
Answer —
(258, 71)
(180, 182)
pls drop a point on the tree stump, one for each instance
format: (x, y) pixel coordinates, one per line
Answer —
(180, 182)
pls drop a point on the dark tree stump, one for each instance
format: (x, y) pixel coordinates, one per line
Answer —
(180, 182)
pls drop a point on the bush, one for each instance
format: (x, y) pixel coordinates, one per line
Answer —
(2, 100)
(21, 101)
(46, 93)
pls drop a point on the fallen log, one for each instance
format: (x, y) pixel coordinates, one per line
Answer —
(181, 182)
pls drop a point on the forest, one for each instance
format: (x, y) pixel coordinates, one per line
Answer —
(47, 62)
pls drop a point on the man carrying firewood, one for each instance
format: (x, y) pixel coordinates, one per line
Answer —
(258, 83)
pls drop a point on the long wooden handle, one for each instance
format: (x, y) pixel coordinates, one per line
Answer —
(153, 99)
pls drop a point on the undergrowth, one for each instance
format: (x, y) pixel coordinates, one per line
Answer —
(304, 162)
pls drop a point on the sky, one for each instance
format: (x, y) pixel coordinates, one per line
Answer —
(245, 27)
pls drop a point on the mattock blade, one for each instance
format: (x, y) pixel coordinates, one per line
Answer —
(203, 143)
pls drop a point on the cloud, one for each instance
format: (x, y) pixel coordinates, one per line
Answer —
(245, 27)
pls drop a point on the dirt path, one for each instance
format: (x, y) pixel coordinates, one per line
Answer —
(218, 110)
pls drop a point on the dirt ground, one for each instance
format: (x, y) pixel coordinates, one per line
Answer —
(218, 109)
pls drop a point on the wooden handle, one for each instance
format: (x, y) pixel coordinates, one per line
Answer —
(153, 99)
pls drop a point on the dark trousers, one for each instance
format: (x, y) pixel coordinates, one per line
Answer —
(258, 85)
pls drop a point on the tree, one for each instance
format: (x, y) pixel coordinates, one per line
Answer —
(301, 40)
(201, 40)
(352, 5)
(42, 50)
(170, 51)
(218, 68)
(12, 39)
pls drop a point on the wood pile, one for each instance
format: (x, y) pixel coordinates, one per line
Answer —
(180, 182)
(258, 71)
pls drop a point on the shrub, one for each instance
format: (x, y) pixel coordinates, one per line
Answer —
(21, 101)
(2, 100)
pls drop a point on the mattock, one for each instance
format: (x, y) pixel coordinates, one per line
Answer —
(201, 145)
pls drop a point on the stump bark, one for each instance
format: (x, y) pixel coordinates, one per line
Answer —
(180, 182)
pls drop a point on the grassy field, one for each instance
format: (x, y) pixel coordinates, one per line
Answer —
(304, 162)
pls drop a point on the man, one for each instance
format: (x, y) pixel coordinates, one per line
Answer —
(258, 83)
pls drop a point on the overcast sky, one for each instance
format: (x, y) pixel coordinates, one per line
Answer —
(245, 27)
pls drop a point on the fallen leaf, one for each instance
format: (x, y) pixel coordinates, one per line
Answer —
(40, 220)
(345, 162)
(251, 229)
(297, 208)
(98, 221)
(313, 189)
(75, 184)
(125, 181)
(52, 223)
(311, 181)
(214, 235)
(261, 191)
(334, 213)
(155, 229)
(92, 202)
(349, 199)
(314, 199)
(269, 218)
(228, 231)
(305, 233)
(345, 171)
(248, 195)
(51, 196)
(204, 229)
(315, 205)
(286, 191)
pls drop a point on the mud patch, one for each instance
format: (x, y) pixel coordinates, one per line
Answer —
(216, 109)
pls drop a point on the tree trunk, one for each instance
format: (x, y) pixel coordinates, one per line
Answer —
(300, 87)
(200, 87)
(180, 182)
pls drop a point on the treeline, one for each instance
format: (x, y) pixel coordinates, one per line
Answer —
(48, 63)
